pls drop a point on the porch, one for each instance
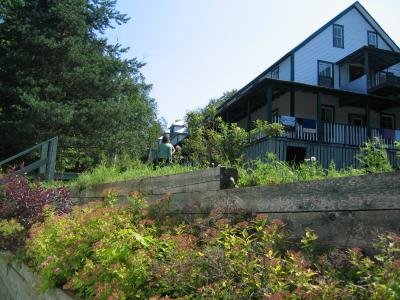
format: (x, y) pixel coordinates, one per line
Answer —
(286, 149)
(336, 133)
(355, 118)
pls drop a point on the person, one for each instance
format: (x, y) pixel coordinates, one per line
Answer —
(164, 152)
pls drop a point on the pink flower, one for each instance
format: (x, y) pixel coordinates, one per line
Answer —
(57, 270)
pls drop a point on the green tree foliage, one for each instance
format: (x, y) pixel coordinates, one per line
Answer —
(211, 140)
(60, 76)
(270, 130)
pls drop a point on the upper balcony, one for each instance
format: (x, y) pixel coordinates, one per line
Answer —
(371, 70)
(385, 83)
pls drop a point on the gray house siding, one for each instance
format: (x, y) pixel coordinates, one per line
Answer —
(321, 48)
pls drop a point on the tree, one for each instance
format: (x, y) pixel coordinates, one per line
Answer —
(210, 139)
(59, 76)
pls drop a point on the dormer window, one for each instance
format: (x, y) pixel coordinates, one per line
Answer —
(338, 36)
(275, 73)
(372, 39)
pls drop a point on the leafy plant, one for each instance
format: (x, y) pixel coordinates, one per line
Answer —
(373, 157)
(11, 232)
(270, 130)
(272, 171)
(9, 228)
(213, 141)
(122, 252)
(25, 202)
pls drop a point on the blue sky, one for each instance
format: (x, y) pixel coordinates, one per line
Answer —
(198, 49)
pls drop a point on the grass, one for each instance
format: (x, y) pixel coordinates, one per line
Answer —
(273, 171)
(120, 171)
(258, 172)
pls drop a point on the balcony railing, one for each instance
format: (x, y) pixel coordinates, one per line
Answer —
(384, 78)
(336, 133)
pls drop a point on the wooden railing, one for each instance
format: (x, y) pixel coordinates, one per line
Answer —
(46, 164)
(334, 133)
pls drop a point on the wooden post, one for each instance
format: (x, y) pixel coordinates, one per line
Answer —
(248, 115)
(51, 164)
(366, 67)
(319, 123)
(292, 101)
(269, 103)
(44, 148)
(368, 120)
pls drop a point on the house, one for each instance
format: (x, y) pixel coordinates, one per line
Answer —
(333, 92)
(178, 131)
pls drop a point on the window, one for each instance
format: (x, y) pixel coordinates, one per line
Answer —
(275, 73)
(387, 121)
(325, 74)
(338, 36)
(327, 113)
(372, 39)
(356, 120)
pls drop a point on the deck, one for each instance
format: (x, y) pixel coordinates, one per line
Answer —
(338, 142)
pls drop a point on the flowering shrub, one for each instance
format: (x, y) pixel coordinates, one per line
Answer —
(125, 252)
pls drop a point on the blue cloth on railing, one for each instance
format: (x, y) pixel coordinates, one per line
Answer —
(288, 121)
(309, 126)
(397, 135)
(388, 133)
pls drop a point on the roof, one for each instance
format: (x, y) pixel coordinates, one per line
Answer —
(356, 5)
(287, 85)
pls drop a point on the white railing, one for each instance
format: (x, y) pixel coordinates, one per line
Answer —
(334, 133)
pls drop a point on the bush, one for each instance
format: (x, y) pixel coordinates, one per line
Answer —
(24, 203)
(11, 232)
(273, 171)
(125, 252)
(268, 129)
(213, 141)
(373, 157)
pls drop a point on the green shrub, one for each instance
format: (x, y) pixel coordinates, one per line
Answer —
(373, 157)
(129, 252)
(268, 129)
(274, 171)
(11, 232)
(213, 141)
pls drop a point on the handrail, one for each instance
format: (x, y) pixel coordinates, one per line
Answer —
(47, 162)
(334, 133)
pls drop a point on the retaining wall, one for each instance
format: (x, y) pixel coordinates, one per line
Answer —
(17, 282)
(344, 212)
(211, 180)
